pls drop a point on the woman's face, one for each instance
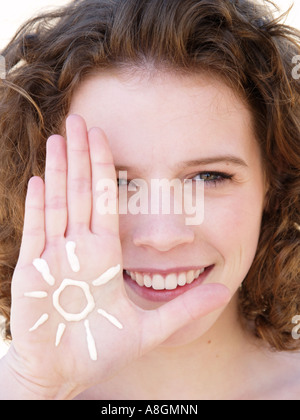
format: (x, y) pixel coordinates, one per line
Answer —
(176, 128)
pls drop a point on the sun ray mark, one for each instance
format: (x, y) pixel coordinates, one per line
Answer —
(44, 318)
(110, 318)
(90, 341)
(72, 257)
(36, 295)
(60, 332)
(107, 276)
(43, 268)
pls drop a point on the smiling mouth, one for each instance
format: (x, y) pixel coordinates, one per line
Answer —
(165, 286)
(165, 282)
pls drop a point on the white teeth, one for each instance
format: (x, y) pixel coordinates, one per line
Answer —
(147, 281)
(169, 282)
(139, 279)
(190, 277)
(158, 282)
(182, 279)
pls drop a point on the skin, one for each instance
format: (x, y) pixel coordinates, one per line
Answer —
(192, 347)
(156, 132)
(57, 211)
(207, 121)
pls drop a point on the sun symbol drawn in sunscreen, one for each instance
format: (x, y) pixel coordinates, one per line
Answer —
(43, 268)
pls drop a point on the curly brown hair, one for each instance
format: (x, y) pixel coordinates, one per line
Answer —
(238, 41)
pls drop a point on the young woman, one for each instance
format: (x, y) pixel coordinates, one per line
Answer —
(108, 94)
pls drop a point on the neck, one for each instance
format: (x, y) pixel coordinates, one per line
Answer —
(205, 368)
(211, 367)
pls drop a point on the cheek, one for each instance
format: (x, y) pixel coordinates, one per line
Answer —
(232, 227)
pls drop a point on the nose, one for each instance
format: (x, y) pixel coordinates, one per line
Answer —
(162, 232)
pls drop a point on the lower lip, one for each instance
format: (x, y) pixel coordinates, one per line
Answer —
(152, 295)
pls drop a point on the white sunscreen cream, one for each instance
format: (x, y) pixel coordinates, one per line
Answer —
(107, 276)
(43, 268)
(36, 295)
(44, 318)
(110, 318)
(72, 257)
(86, 290)
(90, 341)
(60, 332)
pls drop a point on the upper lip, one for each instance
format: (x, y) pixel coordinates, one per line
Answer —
(165, 271)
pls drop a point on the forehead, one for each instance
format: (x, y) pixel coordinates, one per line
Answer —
(165, 117)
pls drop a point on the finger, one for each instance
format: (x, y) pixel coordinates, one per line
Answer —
(174, 315)
(79, 188)
(105, 216)
(33, 240)
(56, 188)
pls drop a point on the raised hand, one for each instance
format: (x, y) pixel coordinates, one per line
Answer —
(72, 323)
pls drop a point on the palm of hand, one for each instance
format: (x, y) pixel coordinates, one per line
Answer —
(95, 345)
(100, 306)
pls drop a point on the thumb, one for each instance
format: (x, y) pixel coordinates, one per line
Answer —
(160, 324)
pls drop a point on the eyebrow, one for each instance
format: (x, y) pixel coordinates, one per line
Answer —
(231, 159)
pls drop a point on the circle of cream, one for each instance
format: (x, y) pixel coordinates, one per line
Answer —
(86, 290)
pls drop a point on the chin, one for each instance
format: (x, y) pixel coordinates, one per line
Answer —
(198, 330)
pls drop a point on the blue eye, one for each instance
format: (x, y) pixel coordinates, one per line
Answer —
(212, 178)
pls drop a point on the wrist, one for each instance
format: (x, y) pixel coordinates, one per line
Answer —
(16, 384)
